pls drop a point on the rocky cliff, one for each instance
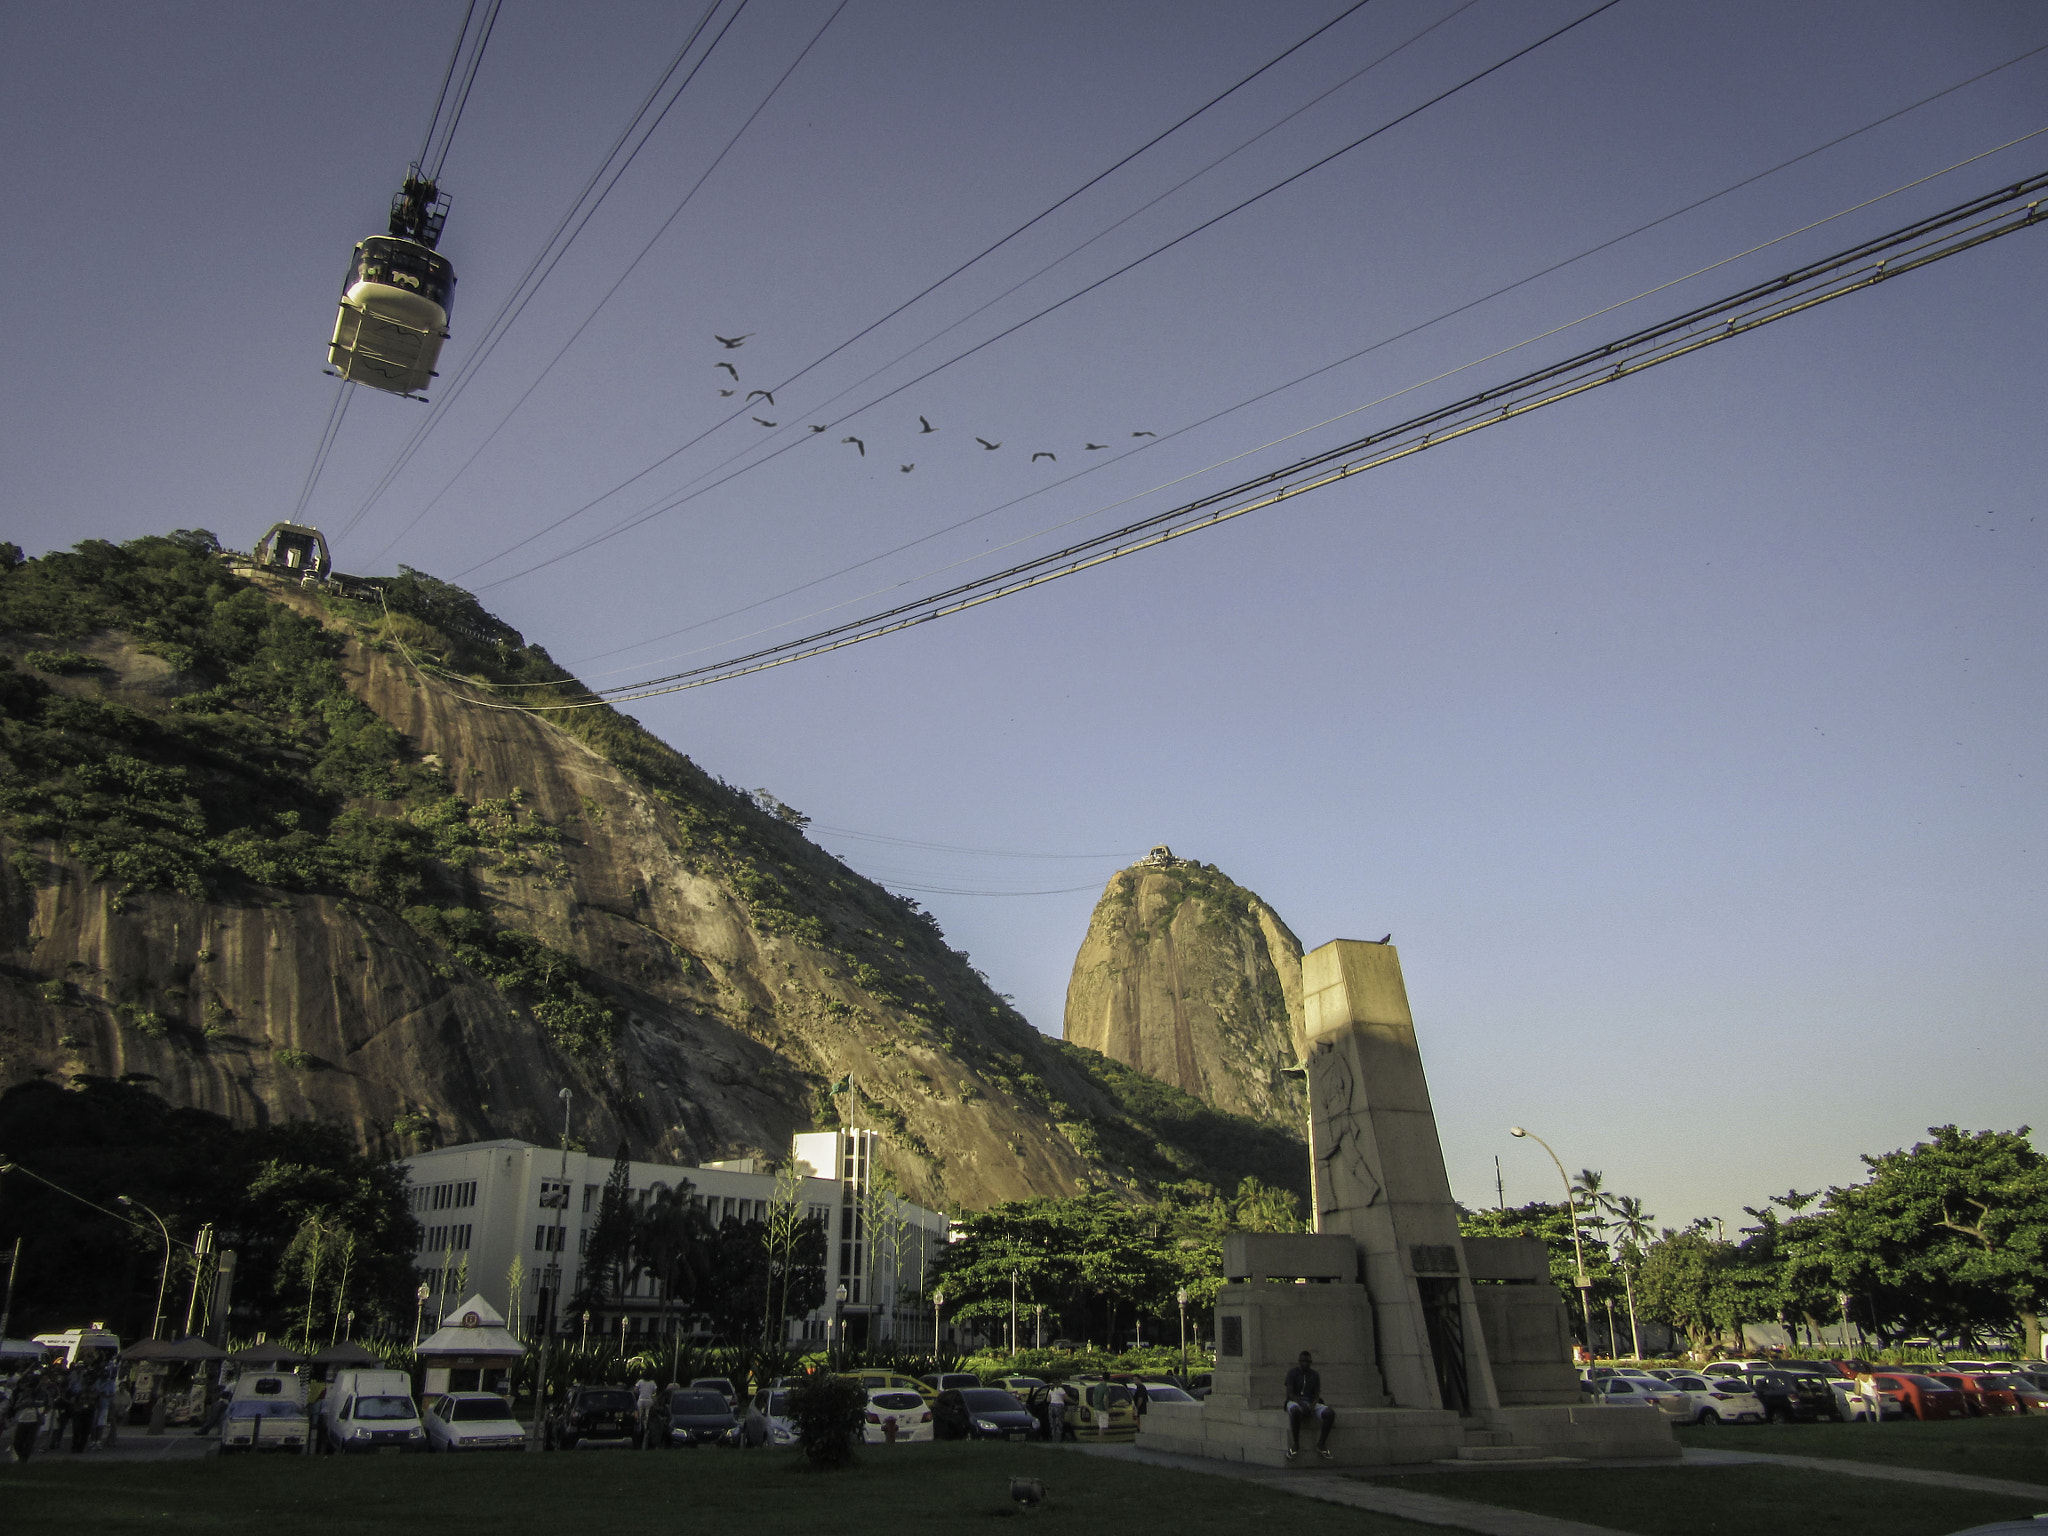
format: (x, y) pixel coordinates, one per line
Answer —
(1195, 981)
(279, 853)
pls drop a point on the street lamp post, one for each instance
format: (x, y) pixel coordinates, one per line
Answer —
(1571, 1201)
(156, 1328)
(419, 1312)
(938, 1301)
(839, 1326)
(1181, 1296)
(551, 1286)
(1013, 1312)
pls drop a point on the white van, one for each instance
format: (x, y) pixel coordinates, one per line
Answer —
(369, 1411)
(267, 1413)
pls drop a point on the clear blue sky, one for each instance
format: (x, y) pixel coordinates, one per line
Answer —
(1687, 736)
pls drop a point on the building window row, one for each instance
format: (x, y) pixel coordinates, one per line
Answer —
(548, 1239)
(440, 1239)
(457, 1195)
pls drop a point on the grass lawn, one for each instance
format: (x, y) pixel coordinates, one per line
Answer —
(2016, 1449)
(899, 1491)
(1725, 1501)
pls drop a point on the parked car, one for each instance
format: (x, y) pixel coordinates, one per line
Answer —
(472, 1421)
(981, 1413)
(2030, 1389)
(1201, 1384)
(945, 1381)
(591, 1416)
(767, 1421)
(1985, 1395)
(1639, 1391)
(1017, 1386)
(366, 1411)
(1926, 1398)
(1790, 1399)
(1160, 1390)
(1871, 1400)
(896, 1415)
(1827, 1368)
(1737, 1367)
(700, 1415)
(722, 1386)
(1106, 1413)
(1718, 1399)
(876, 1380)
(266, 1413)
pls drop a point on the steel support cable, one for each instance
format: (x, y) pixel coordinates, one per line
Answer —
(522, 290)
(432, 169)
(668, 504)
(1908, 249)
(1351, 357)
(329, 431)
(632, 266)
(985, 853)
(672, 498)
(447, 79)
(941, 282)
(1299, 432)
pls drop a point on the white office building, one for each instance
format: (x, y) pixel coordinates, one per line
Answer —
(508, 1220)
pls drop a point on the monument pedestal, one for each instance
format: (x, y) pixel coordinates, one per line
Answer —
(1428, 1350)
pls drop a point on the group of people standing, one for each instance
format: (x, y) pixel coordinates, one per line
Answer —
(44, 1406)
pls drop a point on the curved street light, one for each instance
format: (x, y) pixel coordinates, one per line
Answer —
(1571, 1201)
(156, 1328)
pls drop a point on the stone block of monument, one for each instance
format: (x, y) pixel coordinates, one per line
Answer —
(1429, 1349)
(1528, 1330)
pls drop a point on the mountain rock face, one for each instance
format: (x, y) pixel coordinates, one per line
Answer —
(1194, 980)
(276, 854)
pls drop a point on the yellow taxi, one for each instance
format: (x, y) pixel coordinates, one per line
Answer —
(876, 1380)
(1106, 1414)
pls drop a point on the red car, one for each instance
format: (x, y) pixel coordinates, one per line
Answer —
(1987, 1396)
(1924, 1397)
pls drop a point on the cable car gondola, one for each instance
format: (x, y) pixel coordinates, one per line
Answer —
(396, 298)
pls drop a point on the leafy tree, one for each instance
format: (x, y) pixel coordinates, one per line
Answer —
(609, 1260)
(829, 1414)
(671, 1242)
(1949, 1236)
(1687, 1278)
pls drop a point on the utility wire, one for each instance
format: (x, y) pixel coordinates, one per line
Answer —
(631, 267)
(987, 853)
(523, 290)
(15, 1165)
(1394, 122)
(447, 79)
(1351, 357)
(1908, 249)
(934, 286)
(328, 433)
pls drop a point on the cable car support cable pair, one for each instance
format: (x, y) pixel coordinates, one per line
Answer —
(1908, 249)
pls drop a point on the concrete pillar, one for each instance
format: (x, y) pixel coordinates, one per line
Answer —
(1380, 1174)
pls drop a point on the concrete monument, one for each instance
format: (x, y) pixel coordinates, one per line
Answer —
(1431, 1346)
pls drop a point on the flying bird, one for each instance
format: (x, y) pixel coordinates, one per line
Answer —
(728, 367)
(1042, 454)
(726, 393)
(925, 426)
(1091, 447)
(765, 423)
(987, 444)
(760, 394)
(729, 342)
(816, 428)
(906, 468)
(863, 447)
(1144, 434)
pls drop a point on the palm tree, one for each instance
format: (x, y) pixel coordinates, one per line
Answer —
(1633, 1225)
(669, 1243)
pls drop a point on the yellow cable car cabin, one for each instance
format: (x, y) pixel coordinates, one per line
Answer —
(396, 299)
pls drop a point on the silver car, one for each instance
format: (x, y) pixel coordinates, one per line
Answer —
(472, 1421)
(1719, 1400)
(768, 1422)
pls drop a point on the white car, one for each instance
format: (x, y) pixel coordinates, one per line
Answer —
(473, 1421)
(1718, 1399)
(768, 1422)
(896, 1415)
(1640, 1392)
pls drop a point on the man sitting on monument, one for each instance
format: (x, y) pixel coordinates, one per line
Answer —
(1304, 1389)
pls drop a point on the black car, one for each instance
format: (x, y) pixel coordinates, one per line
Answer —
(697, 1416)
(595, 1414)
(1790, 1399)
(981, 1413)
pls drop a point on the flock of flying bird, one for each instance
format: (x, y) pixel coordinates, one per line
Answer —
(734, 343)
